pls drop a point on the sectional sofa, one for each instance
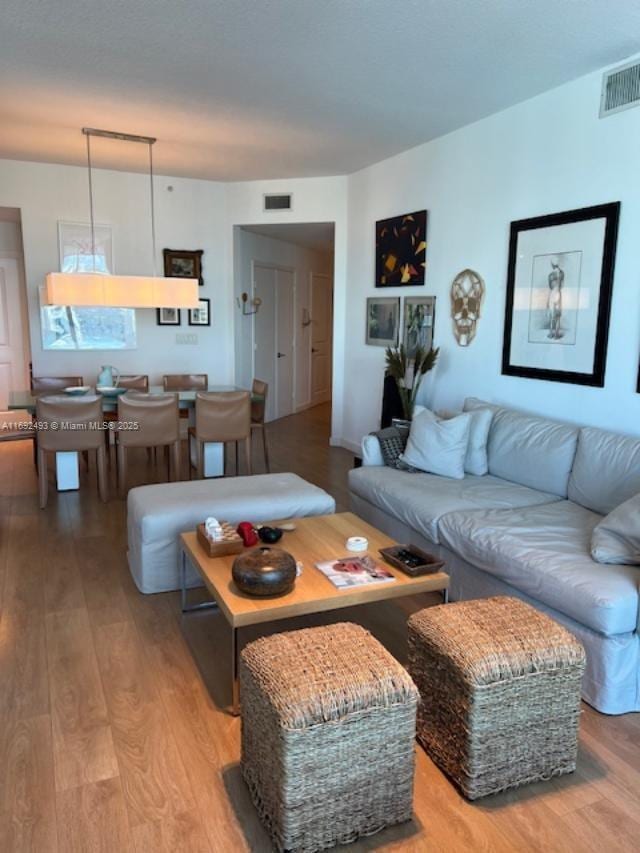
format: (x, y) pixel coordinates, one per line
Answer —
(524, 529)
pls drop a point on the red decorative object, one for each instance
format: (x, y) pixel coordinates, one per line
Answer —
(248, 534)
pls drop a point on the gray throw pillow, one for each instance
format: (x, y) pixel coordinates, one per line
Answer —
(616, 539)
(438, 446)
(392, 443)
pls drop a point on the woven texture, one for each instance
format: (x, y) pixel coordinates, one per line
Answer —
(328, 728)
(500, 693)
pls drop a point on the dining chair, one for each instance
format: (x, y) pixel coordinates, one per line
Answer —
(51, 384)
(157, 424)
(185, 381)
(69, 424)
(259, 390)
(133, 382)
(221, 417)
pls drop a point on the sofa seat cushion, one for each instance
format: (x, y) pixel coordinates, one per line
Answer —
(420, 500)
(544, 551)
(156, 515)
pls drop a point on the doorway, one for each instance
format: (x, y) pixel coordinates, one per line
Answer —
(288, 341)
(14, 330)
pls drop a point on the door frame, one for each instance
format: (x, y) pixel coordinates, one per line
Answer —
(329, 277)
(18, 257)
(294, 345)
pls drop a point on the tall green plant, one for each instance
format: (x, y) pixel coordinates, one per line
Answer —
(402, 368)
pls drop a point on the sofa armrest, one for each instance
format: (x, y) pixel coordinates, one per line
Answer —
(371, 453)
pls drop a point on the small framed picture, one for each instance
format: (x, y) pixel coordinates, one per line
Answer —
(559, 295)
(182, 263)
(383, 321)
(168, 317)
(200, 316)
(419, 315)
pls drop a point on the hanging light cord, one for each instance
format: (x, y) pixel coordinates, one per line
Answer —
(153, 217)
(93, 224)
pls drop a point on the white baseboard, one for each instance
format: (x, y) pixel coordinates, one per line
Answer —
(353, 446)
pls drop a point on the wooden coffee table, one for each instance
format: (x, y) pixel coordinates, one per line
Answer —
(314, 540)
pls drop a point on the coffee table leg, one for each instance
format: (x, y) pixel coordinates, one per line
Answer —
(445, 595)
(235, 688)
(188, 608)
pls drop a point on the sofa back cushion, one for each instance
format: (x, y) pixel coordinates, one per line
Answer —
(606, 471)
(529, 450)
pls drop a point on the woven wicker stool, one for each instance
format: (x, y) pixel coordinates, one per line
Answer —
(500, 693)
(328, 731)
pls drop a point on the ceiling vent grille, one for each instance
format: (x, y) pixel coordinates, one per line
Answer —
(620, 89)
(279, 201)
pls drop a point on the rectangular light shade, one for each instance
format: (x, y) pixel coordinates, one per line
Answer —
(120, 291)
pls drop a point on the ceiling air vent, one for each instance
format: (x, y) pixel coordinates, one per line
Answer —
(280, 201)
(620, 89)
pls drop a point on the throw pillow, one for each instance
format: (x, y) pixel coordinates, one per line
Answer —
(616, 539)
(392, 443)
(476, 461)
(438, 446)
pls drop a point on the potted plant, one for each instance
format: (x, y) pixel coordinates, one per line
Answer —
(402, 369)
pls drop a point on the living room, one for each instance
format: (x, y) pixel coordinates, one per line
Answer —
(221, 151)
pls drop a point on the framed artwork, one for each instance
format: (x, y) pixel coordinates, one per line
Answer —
(181, 263)
(168, 316)
(418, 322)
(559, 295)
(201, 316)
(383, 321)
(401, 250)
(67, 328)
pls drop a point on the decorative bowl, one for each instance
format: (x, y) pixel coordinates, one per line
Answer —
(269, 535)
(264, 571)
(110, 390)
(77, 390)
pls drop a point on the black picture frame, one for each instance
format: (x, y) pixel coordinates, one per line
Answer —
(162, 318)
(611, 214)
(191, 310)
(183, 263)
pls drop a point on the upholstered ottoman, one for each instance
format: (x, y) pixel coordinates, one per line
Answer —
(328, 729)
(156, 515)
(500, 692)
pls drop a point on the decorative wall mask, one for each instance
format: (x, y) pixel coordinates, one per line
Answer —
(467, 293)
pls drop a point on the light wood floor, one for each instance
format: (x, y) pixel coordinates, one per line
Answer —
(112, 733)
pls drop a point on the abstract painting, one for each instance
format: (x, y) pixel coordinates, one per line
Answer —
(401, 250)
(559, 295)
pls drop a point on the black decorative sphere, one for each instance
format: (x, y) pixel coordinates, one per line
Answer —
(270, 535)
(264, 571)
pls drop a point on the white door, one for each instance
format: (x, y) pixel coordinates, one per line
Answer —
(273, 337)
(14, 354)
(284, 342)
(321, 337)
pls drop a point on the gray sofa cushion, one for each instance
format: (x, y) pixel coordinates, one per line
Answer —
(606, 471)
(421, 499)
(616, 539)
(543, 551)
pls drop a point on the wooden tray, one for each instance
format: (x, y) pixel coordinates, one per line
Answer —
(430, 563)
(231, 544)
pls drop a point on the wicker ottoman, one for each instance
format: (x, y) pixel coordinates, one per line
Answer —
(500, 693)
(328, 736)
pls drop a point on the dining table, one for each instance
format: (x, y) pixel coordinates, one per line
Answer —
(67, 462)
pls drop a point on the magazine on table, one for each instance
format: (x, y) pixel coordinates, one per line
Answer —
(354, 571)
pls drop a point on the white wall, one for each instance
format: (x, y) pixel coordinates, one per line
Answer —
(549, 154)
(250, 248)
(314, 200)
(192, 216)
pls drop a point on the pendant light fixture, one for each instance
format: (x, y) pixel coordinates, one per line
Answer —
(120, 291)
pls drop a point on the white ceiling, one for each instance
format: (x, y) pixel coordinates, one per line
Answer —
(309, 235)
(244, 89)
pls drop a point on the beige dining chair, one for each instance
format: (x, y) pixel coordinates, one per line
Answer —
(157, 424)
(69, 424)
(185, 381)
(133, 382)
(259, 391)
(51, 384)
(221, 417)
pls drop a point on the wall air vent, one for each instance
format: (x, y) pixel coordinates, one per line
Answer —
(620, 89)
(278, 201)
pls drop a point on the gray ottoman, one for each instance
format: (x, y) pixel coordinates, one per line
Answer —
(157, 514)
